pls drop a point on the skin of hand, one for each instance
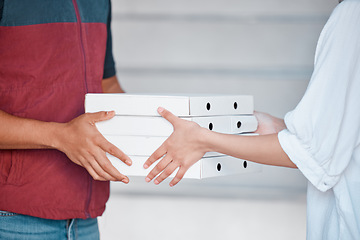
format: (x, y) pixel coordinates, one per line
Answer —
(268, 124)
(189, 142)
(80, 140)
(111, 85)
(182, 149)
(89, 150)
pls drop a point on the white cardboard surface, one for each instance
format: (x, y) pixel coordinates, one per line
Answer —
(158, 126)
(204, 168)
(146, 105)
(141, 145)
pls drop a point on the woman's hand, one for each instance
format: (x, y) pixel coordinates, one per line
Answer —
(182, 149)
(80, 140)
(268, 124)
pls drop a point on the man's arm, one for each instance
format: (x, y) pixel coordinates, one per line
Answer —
(78, 139)
(111, 85)
(21, 133)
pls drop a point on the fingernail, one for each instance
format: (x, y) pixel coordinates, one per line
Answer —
(146, 166)
(160, 109)
(147, 179)
(125, 180)
(156, 182)
(128, 162)
(171, 185)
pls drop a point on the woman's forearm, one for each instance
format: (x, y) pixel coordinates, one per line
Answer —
(264, 149)
(189, 142)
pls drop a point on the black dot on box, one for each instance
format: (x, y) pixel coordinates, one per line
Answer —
(218, 167)
(235, 105)
(208, 106)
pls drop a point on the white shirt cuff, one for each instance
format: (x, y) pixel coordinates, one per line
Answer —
(302, 158)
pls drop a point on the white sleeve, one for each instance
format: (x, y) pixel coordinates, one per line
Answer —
(323, 130)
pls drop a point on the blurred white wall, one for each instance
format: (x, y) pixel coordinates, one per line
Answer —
(263, 48)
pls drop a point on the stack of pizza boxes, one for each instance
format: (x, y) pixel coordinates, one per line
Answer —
(138, 130)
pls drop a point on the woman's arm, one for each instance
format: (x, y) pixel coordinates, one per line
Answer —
(189, 142)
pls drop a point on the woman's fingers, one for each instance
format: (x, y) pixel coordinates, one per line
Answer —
(158, 168)
(168, 115)
(166, 173)
(161, 151)
(179, 175)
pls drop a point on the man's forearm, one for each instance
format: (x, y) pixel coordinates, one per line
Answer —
(22, 133)
(111, 85)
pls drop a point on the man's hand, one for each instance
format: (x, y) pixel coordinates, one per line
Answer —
(80, 140)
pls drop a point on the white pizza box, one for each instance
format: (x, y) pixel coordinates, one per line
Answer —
(146, 145)
(206, 167)
(179, 105)
(141, 145)
(158, 126)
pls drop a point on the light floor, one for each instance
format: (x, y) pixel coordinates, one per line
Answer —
(246, 214)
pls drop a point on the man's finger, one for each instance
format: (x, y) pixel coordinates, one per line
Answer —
(100, 116)
(106, 165)
(91, 163)
(94, 175)
(116, 152)
(91, 171)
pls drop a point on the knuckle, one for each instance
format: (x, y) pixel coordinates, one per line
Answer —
(186, 165)
(98, 139)
(86, 115)
(158, 168)
(112, 150)
(107, 166)
(180, 175)
(176, 179)
(150, 175)
(150, 161)
(167, 171)
(97, 178)
(160, 178)
(156, 155)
